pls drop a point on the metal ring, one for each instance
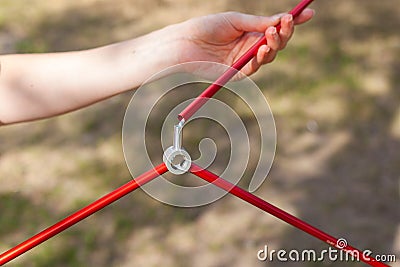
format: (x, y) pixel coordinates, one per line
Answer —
(178, 161)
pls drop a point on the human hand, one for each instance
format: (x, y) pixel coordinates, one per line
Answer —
(224, 37)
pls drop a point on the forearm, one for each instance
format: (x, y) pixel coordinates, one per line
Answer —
(34, 86)
(44, 85)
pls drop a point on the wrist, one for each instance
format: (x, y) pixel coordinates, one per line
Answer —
(155, 52)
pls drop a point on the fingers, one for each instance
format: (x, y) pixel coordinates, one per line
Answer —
(275, 40)
(264, 55)
(305, 16)
(278, 41)
(287, 29)
(251, 23)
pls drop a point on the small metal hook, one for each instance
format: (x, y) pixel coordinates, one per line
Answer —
(177, 141)
(182, 165)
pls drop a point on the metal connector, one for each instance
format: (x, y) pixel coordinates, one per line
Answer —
(176, 159)
(177, 142)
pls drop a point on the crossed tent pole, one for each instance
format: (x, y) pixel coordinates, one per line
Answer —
(185, 165)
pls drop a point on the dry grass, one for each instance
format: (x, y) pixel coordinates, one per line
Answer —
(335, 95)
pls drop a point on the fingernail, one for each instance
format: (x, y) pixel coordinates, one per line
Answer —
(290, 18)
(272, 31)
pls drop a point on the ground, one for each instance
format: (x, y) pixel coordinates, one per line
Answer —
(335, 96)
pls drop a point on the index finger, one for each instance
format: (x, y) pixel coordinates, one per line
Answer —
(304, 16)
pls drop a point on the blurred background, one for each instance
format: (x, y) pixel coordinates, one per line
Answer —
(335, 95)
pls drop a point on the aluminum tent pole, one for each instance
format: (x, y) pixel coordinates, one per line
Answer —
(237, 66)
(82, 214)
(281, 214)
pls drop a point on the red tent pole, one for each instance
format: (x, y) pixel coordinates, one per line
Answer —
(238, 65)
(281, 214)
(82, 214)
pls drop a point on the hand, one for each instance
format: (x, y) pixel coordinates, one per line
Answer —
(224, 37)
(37, 81)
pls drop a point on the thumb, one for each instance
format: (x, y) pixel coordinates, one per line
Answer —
(251, 23)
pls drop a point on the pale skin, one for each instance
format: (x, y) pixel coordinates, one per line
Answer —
(37, 86)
